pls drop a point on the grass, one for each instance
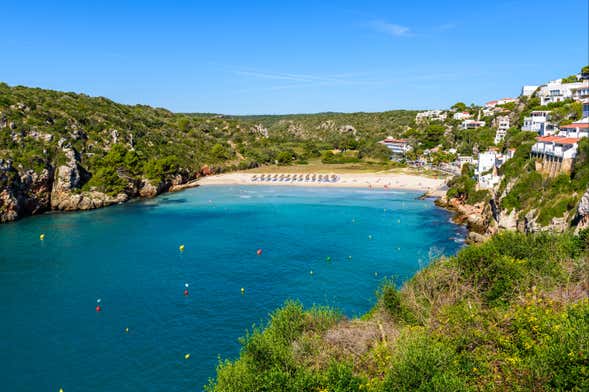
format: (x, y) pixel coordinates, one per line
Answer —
(316, 166)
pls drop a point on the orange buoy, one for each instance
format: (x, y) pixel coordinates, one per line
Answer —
(185, 292)
(98, 308)
(259, 252)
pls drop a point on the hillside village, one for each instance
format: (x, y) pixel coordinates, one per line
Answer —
(544, 127)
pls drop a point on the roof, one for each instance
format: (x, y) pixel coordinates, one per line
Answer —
(558, 139)
(393, 140)
(575, 125)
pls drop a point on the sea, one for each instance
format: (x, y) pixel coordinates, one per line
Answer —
(150, 295)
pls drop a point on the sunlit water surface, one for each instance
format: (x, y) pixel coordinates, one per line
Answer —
(51, 337)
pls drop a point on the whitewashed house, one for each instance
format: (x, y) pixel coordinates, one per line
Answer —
(579, 129)
(527, 91)
(431, 115)
(556, 91)
(502, 101)
(488, 163)
(502, 127)
(397, 146)
(556, 154)
(539, 121)
(464, 159)
(581, 94)
(472, 124)
(461, 115)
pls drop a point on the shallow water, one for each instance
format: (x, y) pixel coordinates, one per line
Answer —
(51, 337)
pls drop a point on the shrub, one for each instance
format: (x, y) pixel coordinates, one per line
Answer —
(107, 180)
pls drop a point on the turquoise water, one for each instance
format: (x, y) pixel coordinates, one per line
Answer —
(51, 337)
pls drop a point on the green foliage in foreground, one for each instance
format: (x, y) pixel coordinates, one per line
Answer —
(509, 314)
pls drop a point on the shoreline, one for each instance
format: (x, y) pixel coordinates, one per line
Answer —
(433, 187)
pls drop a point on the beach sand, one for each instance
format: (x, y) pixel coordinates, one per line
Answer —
(434, 186)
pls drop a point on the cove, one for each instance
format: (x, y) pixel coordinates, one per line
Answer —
(129, 257)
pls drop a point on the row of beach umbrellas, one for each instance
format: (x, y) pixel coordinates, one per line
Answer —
(295, 178)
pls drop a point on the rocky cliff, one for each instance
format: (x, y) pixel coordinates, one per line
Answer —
(61, 188)
(485, 219)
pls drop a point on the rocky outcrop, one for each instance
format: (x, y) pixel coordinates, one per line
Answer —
(582, 217)
(476, 217)
(87, 201)
(25, 194)
(507, 220)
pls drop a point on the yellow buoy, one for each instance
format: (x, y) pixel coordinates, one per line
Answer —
(311, 273)
(60, 389)
(126, 329)
(349, 257)
(42, 237)
(187, 356)
(181, 248)
(242, 290)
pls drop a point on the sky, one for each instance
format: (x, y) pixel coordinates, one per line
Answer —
(271, 57)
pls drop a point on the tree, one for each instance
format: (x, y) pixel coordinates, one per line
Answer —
(432, 135)
(219, 152)
(284, 157)
(459, 106)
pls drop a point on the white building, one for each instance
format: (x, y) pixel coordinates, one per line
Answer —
(486, 172)
(461, 115)
(472, 124)
(539, 122)
(397, 146)
(556, 154)
(502, 127)
(432, 115)
(528, 90)
(556, 91)
(556, 146)
(579, 129)
(582, 94)
(464, 159)
(502, 101)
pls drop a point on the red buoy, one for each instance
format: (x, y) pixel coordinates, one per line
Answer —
(259, 252)
(185, 292)
(98, 308)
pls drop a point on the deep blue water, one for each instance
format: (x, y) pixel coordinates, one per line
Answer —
(51, 337)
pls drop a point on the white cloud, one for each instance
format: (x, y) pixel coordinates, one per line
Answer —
(392, 29)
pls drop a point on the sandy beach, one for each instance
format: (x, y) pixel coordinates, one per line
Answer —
(433, 186)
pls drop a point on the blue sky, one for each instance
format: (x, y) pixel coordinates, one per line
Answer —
(244, 57)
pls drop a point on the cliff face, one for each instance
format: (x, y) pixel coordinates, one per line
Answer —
(582, 217)
(60, 189)
(485, 219)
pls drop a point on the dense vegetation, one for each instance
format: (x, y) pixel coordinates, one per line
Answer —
(510, 314)
(118, 144)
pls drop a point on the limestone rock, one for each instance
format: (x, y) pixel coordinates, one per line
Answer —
(582, 218)
(147, 189)
(508, 221)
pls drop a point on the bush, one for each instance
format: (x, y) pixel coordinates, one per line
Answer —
(107, 180)
(422, 363)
